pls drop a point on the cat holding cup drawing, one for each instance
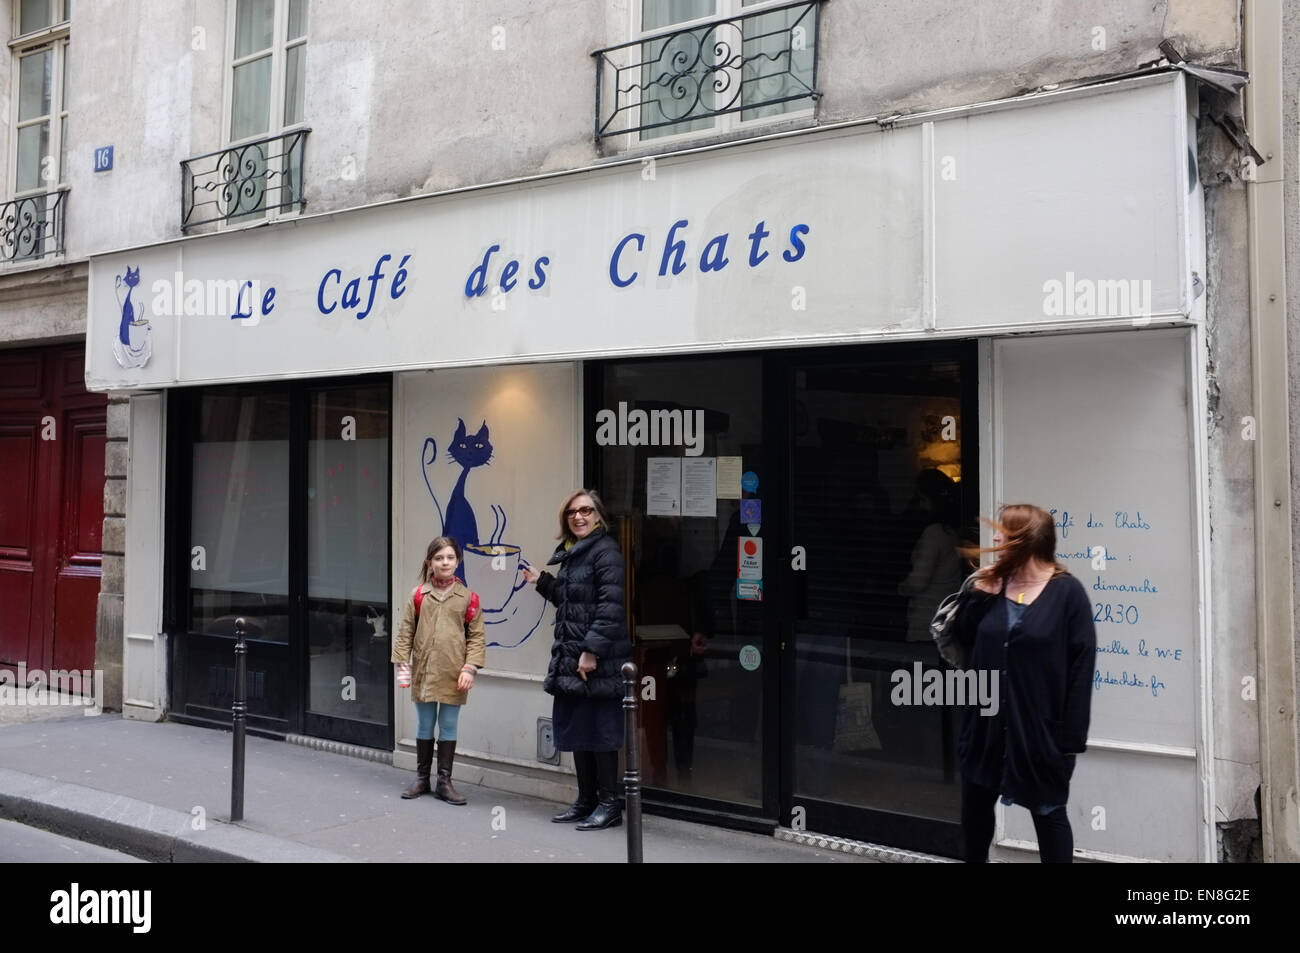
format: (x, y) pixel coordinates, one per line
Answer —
(491, 568)
(132, 346)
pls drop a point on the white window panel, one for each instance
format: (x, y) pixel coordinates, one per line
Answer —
(34, 15)
(33, 148)
(250, 105)
(254, 26)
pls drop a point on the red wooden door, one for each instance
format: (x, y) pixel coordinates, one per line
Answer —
(22, 529)
(52, 446)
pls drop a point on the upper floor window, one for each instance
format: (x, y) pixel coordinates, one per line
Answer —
(261, 167)
(267, 66)
(34, 16)
(30, 225)
(715, 64)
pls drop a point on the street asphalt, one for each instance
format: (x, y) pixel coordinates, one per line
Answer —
(20, 844)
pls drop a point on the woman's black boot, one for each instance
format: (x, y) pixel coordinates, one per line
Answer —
(584, 766)
(609, 809)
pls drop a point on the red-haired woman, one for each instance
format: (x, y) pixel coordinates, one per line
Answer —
(1027, 622)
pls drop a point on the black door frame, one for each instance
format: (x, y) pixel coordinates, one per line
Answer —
(778, 731)
(290, 658)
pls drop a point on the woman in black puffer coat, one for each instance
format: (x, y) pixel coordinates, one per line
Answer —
(591, 645)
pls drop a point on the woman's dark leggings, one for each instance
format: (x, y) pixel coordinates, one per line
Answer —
(1055, 839)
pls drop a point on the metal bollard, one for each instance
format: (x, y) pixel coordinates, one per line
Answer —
(632, 769)
(239, 712)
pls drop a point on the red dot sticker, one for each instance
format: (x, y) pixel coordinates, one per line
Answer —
(750, 548)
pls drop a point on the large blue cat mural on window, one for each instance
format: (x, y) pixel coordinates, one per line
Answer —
(493, 568)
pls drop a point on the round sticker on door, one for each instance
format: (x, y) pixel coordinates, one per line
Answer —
(749, 481)
(750, 658)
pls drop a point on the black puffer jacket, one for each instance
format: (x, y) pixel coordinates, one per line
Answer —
(588, 595)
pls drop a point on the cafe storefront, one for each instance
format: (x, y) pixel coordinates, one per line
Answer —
(798, 369)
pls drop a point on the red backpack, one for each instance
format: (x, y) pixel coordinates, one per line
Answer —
(471, 610)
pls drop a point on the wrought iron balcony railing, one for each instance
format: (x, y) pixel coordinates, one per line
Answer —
(241, 182)
(31, 227)
(755, 64)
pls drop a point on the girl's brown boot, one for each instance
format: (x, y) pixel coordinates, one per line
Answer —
(444, 791)
(423, 761)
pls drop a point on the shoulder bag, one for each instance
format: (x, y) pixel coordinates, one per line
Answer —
(943, 627)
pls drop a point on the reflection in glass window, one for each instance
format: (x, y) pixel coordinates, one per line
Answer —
(239, 515)
(348, 624)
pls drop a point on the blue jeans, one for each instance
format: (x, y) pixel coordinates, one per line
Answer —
(426, 713)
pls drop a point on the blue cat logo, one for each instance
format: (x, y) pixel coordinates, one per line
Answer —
(133, 345)
(492, 569)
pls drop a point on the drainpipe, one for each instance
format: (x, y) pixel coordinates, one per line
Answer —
(1279, 779)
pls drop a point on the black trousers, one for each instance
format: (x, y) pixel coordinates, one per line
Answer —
(597, 773)
(1055, 839)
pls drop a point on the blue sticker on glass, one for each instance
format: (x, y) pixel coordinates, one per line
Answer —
(749, 481)
(751, 511)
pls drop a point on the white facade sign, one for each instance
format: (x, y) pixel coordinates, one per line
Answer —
(1043, 214)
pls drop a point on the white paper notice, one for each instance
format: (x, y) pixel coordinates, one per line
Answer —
(699, 486)
(663, 486)
(729, 470)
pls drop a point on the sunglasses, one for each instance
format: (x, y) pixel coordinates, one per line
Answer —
(580, 511)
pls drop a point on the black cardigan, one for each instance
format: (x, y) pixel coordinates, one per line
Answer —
(1045, 666)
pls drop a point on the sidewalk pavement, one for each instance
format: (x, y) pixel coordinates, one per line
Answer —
(162, 792)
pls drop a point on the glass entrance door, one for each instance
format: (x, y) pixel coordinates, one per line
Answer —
(348, 625)
(882, 492)
(677, 435)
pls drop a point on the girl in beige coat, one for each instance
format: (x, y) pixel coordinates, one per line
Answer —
(440, 646)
